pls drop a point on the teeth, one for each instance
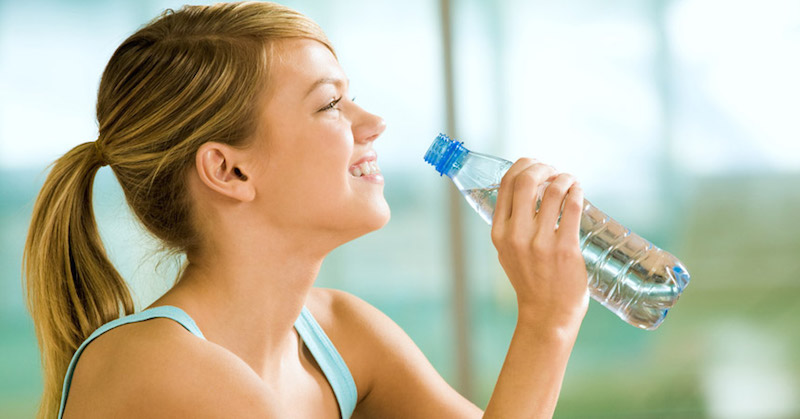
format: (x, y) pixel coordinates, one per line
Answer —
(366, 168)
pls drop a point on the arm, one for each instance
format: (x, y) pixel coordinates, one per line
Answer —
(530, 380)
(394, 378)
(545, 266)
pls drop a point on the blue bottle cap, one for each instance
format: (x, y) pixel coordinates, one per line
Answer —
(443, 152)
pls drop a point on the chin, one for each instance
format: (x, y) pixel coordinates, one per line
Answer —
(380, 216)
(371, 216)
(387, 214)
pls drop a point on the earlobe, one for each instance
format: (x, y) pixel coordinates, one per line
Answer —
(219, 170)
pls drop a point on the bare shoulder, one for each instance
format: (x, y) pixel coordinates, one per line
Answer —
(333, 306)
(393, 377)
(344, 316)
(156, 368)
(370, 343)
(357, 330)
(357, 326)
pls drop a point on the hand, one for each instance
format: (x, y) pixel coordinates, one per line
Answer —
(542, 259)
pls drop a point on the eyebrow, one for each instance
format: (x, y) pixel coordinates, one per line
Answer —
(326, 80)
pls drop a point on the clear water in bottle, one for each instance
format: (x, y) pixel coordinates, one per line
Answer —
(626, 273)
(483, 201)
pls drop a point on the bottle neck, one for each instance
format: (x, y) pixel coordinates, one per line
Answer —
(452, 158)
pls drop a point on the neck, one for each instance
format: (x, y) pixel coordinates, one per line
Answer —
(247, 296)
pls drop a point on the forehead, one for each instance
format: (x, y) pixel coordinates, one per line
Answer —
(297, 63)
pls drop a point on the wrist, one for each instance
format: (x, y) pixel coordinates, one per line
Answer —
(549, 325)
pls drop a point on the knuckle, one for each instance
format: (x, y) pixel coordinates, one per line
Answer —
(567, 252)
(497, 236)
(541, 247)
(549, 170)
(544, 168)
(525, 161)
(507, 179)
(574, 204)
(577, 194)
(555, 190)
(526, 179)
(518, 241)
(567, 177)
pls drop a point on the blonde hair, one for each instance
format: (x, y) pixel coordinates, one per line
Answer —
(188, 77)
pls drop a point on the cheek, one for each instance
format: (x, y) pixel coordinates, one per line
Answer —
(321, 180)
(331, 161)
(310, 173)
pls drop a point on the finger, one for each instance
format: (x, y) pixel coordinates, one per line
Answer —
(552, 202)
(526, 187)
(505, 195)
(569, 228)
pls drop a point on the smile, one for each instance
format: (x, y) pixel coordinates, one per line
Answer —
(366, 168)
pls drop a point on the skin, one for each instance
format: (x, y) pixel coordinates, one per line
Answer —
(269, 214)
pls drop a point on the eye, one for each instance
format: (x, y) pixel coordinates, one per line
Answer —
(331, 105)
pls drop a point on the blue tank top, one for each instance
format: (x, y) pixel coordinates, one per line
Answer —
(318, 343)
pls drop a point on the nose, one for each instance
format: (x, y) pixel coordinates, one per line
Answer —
(368, 127)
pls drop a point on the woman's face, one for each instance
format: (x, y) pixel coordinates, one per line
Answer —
(311, 138)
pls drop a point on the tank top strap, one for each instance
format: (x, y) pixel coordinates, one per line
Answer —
(170, 312)
(329, 360)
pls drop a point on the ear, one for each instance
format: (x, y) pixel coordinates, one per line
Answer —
(220, 168)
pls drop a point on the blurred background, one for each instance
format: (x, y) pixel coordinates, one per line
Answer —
(679, 117)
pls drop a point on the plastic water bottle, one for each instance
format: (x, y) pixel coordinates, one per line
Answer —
(626, 273)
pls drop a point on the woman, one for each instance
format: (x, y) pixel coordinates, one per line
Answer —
(230, 132)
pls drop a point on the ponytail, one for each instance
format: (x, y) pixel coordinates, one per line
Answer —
(72, 287)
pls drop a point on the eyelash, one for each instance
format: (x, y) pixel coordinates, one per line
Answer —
(333, 103)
